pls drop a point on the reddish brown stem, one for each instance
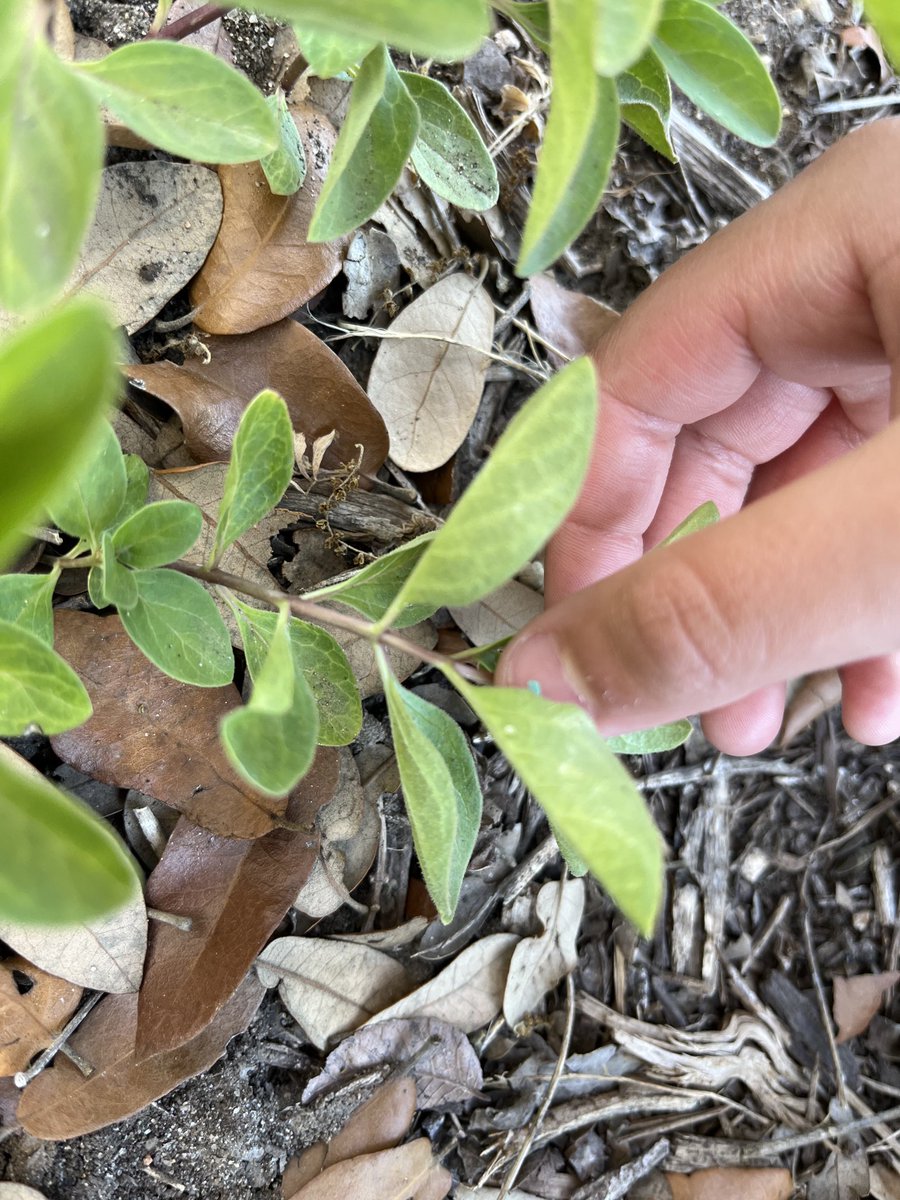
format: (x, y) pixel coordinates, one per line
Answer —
(191, 22)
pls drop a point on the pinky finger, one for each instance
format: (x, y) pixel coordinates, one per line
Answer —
(871, 700)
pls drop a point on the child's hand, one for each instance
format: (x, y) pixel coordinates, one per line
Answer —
(758, 369)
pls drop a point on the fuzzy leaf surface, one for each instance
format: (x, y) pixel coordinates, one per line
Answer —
(285, 168)
(622, 32)
(330, 54)
(157, 534)
(116, 584)
(371, 590)
(705, 514)
(651, 741)
(37, 687)
(645, 100)
(97, 493)
(27, 602)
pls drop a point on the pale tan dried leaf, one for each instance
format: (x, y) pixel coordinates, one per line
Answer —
(570, 321)
(501, 614)
(303, 1168)
(857, 1000)
(330, 987)
(845, 1176)
(436, 1185)
(262, 267)
(153, 226)
(539, 963)
(884, 1182)
(733, 1183)
(814, 695)
(372, 271)
(388, 1174)
(361, 656)
(388, 939)
(30, 1020)
(428, 375)
(468, 993)
(61, 1103)
(18, 1191)
(488, 1193)
(62, 37)
(321, 394)
(106, 955)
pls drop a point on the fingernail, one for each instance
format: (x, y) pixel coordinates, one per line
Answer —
(536, 660)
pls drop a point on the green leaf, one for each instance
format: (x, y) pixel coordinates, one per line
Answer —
(177, 625)
(262, 461)
(61, 864)
(185, 101)
(371, 590)
(440, 789)
(449, 155)
(118, 584)
(47, 430)
(705, 514)
(486, 656)
(97, 493)
(645, 99)
(589, 797)
(319, 662)
(137, 484)
(157, 534)
(328, 53)
(651, 741)
(285, 168)
(447, 30)
(27, 601)
(51, 155)
(574, 861)
(717, 67)
(531, 480)
(622, 32)
(579, 141)
(532, 17)
(376, 139)
(272, 739)
(37, 687)
(885, 16)
(96, 593)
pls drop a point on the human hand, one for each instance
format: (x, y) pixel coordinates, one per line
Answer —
(761, 372)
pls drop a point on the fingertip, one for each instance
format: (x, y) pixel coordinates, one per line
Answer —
(871, 700)
(746, 726)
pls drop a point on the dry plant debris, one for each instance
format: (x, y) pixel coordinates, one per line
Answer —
(34, 1007)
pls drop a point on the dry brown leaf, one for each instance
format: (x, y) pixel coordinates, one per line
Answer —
(468, 993)
(154, 734)
(330, 987)
(235, 893)
(262, 267)
(395, 1174)
(61, 1103)
(814, 695)
(438, 1056)
(320, 392)
(153, 226)
(501, 614)
(857, 1000)
(361, 655)
(428, 388)
(570, 321)
(34, 1006)
(884, 1182)
(733, 1183)
(539, 963)
(387, 939)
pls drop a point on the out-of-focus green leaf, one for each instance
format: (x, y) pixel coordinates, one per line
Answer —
(706, 514)
(27, 601)
(371, 590)
(37, 687)
(622, 32)
(375, 141)
(329, 54)
(534, 18)
(184, 100)
(158, 533)
(651, 741)
(285, 168)
(885, 16)
(645, 102)
(137, 484)
(97, 493)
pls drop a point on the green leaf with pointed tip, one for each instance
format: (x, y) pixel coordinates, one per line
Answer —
(96, 594)
(137, 484)
(486, 656)
(328, 53)
(645, 102)
(37, 687)
(532, 17)
(371, 590)
(579, 142)
(717, 67)
(440, 789)
(117, 582)
(184, 100)
(529, 483)
(97, 493)
(885, 16)
(449, 155)
(51, 155)
(61, 864)
(622, 32)
(157, 534)
(375, 141)
(589, 797)
(705, 514)
(574, 861)
(27, 601)
(272, 739)
(651, 741)
(262, 461)
(443, 29)
(318, 661)
(177, 625)
(285, 168)
(47, 430)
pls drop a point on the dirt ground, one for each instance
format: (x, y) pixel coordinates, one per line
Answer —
(784, 866)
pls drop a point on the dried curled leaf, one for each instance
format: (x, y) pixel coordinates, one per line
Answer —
(397, 1174)
(34, 1006)
(539, 963)
(858, 999)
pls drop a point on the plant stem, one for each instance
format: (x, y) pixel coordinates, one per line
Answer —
(190, 22)
(313, 611)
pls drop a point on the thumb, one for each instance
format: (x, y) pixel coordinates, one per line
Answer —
(806, 578)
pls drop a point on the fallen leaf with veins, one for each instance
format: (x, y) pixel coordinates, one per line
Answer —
(499, 615)
(428, 388)
(570, 321)
(321, 394)
(857, 1000)
(539, 963)
(61, 1103)
(361, 656)
(402, 1173)
(262, 266)
(235, 893)
(30, 1019)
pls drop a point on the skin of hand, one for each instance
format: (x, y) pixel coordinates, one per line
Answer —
(761, 372)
